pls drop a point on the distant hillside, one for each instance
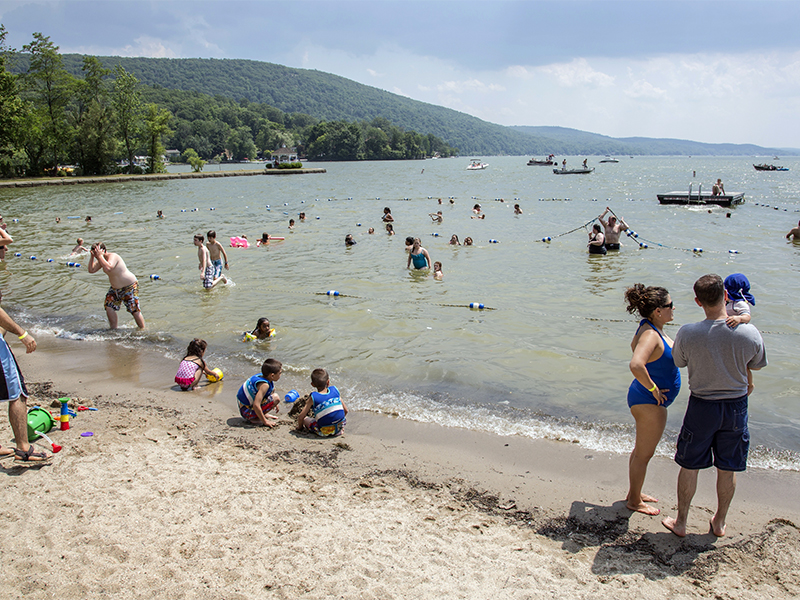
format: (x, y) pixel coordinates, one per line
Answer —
(582, 142)
(323, 96)
(330, 97)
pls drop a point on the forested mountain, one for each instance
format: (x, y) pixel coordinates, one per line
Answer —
(582, 142)
(323, 96)
(328, 97)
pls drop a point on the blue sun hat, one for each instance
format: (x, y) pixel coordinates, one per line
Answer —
(738, 288)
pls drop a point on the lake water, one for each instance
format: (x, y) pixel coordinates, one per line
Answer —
(551, 359)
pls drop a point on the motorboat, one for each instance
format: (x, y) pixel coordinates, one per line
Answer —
(766, 167)
(609, 159)
(580, 171)
(701, 198)
(476, 165)
(544, 162)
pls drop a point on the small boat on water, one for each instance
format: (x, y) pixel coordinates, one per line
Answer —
(476, 165)
(701, 198)
(766, 167)
(544, 162)
(609, 159)
(580, 171)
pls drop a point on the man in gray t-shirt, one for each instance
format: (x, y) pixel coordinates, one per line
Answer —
(720, 360)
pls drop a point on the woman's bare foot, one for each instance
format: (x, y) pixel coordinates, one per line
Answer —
(672, 525)
(646, 498)
(717, 531)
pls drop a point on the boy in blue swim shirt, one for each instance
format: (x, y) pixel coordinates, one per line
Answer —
(327, 411)
(256, 397)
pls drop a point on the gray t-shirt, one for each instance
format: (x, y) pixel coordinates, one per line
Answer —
(718, 357)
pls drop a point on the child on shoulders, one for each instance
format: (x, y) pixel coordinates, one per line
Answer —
(256, 397)
(192, 366)
(324, 412)
(738, 288)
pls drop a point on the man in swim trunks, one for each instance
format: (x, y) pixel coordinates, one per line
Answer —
(714, 431)
(124, 286)
(216, 249)
(612, 228)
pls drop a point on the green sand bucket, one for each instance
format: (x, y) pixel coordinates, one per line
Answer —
(38, 420)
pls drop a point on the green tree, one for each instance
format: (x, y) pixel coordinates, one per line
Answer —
(240, 144)
(50, 88)
(128, 108)
(156, 128)
(93, 115)
(12, 113)
(190, 156)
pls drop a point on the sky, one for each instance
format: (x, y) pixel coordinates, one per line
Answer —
(715, 71)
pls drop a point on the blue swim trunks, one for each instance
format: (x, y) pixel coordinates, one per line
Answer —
(217, 268)
(715, 433)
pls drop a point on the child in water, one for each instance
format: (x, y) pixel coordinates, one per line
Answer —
(264, 241)
(437, 271)
(192, 366)
(325, 407)
(261, 332)
(79, 248)
(738, 288)
(256, 397)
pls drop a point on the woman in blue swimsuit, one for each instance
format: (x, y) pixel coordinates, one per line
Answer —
(656, 384)
(419, 256)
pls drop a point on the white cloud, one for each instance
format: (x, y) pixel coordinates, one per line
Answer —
(149, 47)
(645, 89)
(578, 72)
(469, 85)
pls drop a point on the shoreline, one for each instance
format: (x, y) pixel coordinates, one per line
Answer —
(394, 508)
(24, 183)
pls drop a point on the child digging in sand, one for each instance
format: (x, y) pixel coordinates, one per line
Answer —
(256, 397)
(325, 407)
(192, 366)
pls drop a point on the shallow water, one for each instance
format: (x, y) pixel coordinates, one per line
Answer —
(551, 359)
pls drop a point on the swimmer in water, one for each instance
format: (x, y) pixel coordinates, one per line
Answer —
(79, 248)
(437, 271)
(436, 217)
(517, 209)
(468, 241)
(454, 240)
(262, 331)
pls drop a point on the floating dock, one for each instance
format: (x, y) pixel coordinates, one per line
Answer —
(701, 198)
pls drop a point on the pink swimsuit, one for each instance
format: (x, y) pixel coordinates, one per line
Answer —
(186, 373)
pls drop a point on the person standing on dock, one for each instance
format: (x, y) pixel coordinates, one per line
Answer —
(124, 285)
(613, 228)
(714, 432)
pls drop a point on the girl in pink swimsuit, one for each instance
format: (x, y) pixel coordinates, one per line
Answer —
(192, 366)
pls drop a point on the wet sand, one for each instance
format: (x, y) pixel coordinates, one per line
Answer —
(173, 496)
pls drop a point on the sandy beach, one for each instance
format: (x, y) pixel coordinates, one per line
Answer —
(173, 496)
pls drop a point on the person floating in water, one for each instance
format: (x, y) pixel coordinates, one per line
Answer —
(794, 233)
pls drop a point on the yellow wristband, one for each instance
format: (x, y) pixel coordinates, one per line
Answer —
(653, 389)
(23, 336)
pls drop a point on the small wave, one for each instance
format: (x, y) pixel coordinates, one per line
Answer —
(508, 421)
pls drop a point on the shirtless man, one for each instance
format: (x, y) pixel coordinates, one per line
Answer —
(5, 239)
(207, 268)
(613, 228)
(794, 233)
(436, 217)
(124, 286)
(216, 249)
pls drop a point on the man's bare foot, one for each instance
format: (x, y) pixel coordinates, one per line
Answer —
(645, 509)
(717, 531)
(672, 525)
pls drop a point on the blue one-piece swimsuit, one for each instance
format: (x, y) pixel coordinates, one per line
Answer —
(663, 372)
(419, 261)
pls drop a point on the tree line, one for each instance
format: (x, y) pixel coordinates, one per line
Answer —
(103, 117)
